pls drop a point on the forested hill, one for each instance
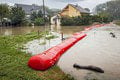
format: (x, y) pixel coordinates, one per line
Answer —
(112, 8)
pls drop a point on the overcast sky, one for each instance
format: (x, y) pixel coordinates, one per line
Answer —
(58, 3)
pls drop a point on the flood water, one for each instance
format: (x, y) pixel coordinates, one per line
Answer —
(98, 49)
(67, 30)
(39, 45)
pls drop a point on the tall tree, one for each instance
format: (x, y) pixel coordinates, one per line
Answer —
(111, 7)
(40, 14)
(4, 11)
(33, 16)
(17, 16)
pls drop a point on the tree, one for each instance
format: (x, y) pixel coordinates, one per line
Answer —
(33, 16)
(40, 14)
(111, 7)
(17, 16)
(37, 18)
(39, 21)
(4, 11)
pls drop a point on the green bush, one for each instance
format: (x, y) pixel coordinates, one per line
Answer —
(76, 21)
(96, 18)
(66, 21)
(39, 21)
(84, 20)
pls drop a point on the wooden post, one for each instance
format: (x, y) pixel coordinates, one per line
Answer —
(38, 32)
(62, 36)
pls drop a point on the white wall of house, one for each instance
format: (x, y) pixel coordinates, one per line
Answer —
(55, 20)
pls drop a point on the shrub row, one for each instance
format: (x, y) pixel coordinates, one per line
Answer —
(83, 20)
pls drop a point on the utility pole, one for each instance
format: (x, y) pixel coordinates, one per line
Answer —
(44, 10)
(44, 23)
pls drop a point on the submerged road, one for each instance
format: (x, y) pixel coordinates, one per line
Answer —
(99, 48)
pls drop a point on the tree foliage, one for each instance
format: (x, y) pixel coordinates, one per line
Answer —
(39, 21)
(84, 20)
(17, 16)
(33, 16)
(4, 11)
(37, 18)
(76, 21)
(112, 8)
(40, 14)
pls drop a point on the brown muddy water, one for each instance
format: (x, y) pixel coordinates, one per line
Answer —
(99, 49)
(67, 30)
(39, 45)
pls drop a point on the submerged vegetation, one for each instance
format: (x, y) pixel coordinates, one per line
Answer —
(13, 62)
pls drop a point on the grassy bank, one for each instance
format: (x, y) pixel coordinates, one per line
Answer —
(13, 62)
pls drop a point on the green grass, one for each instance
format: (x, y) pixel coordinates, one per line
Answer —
(13, 62)
(42, 43)
(50, 37)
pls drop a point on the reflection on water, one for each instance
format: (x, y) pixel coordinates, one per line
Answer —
(19, 30)
(67, 30)
(37, 46)
(99, 49)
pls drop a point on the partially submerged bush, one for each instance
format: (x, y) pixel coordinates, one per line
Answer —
(39, 21)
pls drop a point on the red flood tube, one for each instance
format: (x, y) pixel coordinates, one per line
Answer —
(48, 58)
(94, 26)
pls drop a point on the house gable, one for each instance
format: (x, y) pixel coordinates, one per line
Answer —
(73, 10)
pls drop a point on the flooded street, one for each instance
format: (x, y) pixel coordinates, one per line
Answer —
(67, 30)
(59, 39)
(39, 45)
(99, 49)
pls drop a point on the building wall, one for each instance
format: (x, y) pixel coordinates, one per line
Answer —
(55, 20)
(65, 12)
(73, 12)
(70, 11)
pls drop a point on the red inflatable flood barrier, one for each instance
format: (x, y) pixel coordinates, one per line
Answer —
(49, 57)
(94, 26)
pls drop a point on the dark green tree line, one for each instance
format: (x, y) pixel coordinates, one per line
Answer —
(4, 11)
(17, 16)
(84, 20)
(111, 8)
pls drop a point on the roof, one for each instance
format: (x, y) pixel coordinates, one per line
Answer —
(30, 8)
(80, 9)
